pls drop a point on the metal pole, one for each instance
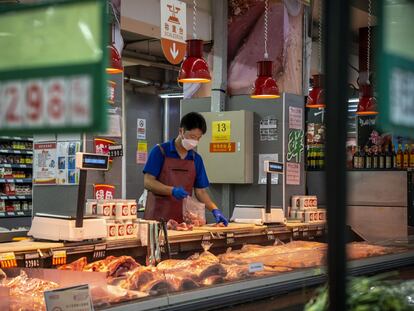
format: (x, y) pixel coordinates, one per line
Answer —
(337, 34)
(166, 132)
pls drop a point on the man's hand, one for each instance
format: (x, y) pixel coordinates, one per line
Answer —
(179, 193)
(218, 215)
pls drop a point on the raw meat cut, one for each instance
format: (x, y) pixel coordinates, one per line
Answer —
(173, 225)
(362, 250)
(158, 287)
(181, 281)
(100, 265)
(213, 280)
(237, 272)
(121, 265)
(77, 265)
(140, 277)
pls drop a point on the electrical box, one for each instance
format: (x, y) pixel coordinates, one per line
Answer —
(227, 147)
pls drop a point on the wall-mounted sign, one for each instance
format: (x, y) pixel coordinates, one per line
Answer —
(293, 174)
(49, 82)
(141, 129)
(221, 131)
(44, 163)
(223, 147)
(295, 118)
(295, 146)
(173, 30)
(142, 152)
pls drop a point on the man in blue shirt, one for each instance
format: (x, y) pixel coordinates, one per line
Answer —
(174, 169)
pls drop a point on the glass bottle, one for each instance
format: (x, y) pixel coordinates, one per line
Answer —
(399, 157)
(412, 156)
(406, 157)
(381, 158)
(355, 159)
(368, 158)
(388, 157)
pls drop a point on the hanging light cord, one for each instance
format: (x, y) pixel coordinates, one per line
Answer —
(194, 19)
(266, 55)
(320, 36)
(369, 40)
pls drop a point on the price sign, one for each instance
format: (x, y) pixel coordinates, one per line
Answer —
(99, 251)
(230, 238)
(32, 260)
(43, 89)
(8, 260)
(76, 298)
(270, 235)
(256, 267)
(221, 131)
(206, 237)
(59, 258)
(115, 151)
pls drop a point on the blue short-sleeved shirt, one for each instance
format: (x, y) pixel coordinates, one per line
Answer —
(156, 161)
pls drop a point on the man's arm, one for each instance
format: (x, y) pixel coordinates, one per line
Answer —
(152, 184)
(203, 197)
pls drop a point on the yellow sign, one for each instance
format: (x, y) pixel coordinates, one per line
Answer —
(59, 258)
(142, 147)
(221, 131)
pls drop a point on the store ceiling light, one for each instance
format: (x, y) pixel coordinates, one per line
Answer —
(115, 62)
(265, 87)
(367, 102)
(194, 68)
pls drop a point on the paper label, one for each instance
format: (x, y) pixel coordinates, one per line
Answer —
(141, 129)
(221, 131)
(59, 258)
(295, 118)
(8, 260)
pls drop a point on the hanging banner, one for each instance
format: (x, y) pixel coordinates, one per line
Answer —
(53, 83)
(44, 163)
(173, 30)
(104, 192)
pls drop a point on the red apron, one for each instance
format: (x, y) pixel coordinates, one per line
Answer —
(174, 173)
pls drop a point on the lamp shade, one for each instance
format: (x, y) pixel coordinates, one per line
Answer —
(194, 69)
(316, 97)
(115, 62)
(367, 102)
(265, 86)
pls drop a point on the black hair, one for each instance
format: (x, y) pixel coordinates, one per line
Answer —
(193, 120)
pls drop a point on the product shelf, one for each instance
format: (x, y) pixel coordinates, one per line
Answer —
(15, 138)
(15, 197)
(15, 214)
(16, 151)
(16, 165)
(15, 180)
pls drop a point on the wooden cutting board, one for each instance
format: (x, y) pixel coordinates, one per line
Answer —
(27, 246)
(194, 232)
(230, 228)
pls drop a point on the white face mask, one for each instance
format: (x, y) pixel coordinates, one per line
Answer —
(189, 144)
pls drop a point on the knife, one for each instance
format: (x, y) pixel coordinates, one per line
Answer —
(166, 242)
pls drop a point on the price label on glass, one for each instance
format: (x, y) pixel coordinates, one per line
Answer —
(99, 251)
(8, 260)
(59, 258)
(32, 260)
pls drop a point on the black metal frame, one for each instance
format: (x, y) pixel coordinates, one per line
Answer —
(337, 34)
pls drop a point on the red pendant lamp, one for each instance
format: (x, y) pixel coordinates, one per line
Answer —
(115, 60)
(194, 68)
(316, 97)
(367, 103)
(265, 87)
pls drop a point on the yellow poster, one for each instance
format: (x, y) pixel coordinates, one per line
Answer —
(142, 146)
(142, 152)
(221, 131)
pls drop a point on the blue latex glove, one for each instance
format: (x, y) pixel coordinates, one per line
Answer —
(179, 193)
(218, 215)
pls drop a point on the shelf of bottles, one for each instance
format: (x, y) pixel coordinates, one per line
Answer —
(315, 147)
(16, 164)
(383, 158)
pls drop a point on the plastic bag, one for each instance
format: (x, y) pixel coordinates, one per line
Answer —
(194, 212)
(142, 202)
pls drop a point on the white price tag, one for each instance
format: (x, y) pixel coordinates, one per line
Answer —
(256, 267)
(76, 298)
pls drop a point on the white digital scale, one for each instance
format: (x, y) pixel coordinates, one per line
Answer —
(61, 228)
(262, 214)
